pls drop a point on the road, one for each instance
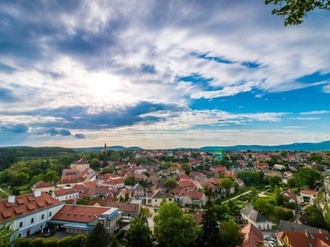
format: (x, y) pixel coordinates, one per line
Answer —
(247, 192)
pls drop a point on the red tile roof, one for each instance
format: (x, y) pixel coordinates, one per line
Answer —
(304, 239)
(252, 236)
(79, 213)
(20, 206)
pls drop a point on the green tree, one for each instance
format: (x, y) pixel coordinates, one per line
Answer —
(173, 228)
(22, 242)
(278, 197)
(36, 242)
(230, 234)
(307, 176)
(51, 242)
(7, 234)
(250, 177)
(274, 181)
(95, 164)
(170, 182)
(99, 237)
(226, 184)
(314, 217)
(139, 234)
(211, 236)
(64, 242)
(52, 176)
(129, 180)
(295, 11)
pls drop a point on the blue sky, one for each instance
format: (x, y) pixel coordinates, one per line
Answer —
(161, 74)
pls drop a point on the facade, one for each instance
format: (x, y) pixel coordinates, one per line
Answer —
(303, 239)
(80, 165)
(78, 219)
(65, 193)
(254, 217)
(158, 197)
(31, 212)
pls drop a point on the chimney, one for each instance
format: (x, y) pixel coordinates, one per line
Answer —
(11, 199)
(37, 193)
(306, 233)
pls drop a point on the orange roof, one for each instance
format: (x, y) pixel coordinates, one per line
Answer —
(19, 206)
(252, 236)
(305, 239)
(78, 213)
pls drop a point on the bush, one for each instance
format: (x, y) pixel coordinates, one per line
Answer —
(51, 242)
(22, 242)
(37, 242)
(64, 242)
(78, 241)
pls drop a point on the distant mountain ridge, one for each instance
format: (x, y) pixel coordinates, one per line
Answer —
(321, 146)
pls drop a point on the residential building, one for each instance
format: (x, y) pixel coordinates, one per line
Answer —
(254, 217)
(303, 239)
(78, 219)
(252, 237)
(80, 165)
(31, 212)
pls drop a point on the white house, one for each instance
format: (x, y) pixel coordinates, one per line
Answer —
(65, 193)
(30, 212)
(254, 217)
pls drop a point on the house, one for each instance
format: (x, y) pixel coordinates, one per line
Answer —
(296, 227)
(78, 219)
(116, 182)
(158, 197)
(128, 209)
(303, 239)
(254, 217)
(261, 166)
(252, 237)
(289, 196)
(43, 186)
(138, 190)
(308, 195)
(65, 193)
(30, 212)
(278, 167)
(194, 198)
(80, 165)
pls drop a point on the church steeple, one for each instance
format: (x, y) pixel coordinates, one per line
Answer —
(105, 148)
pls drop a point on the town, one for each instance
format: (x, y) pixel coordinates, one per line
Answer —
(275, 198)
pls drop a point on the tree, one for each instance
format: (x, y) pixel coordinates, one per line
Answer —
(6, 233)
(23, 242)
(173, 228)
(129, 180)
(226, 184)
(171, 183)
(230, 234)
(295, 11)
(99, 237)
(211, 236)
(314, 217)
(274, 181)
(37, 242)
(139, 235)
(307, 176)
(249, 177)
(95, 164)
(278, 196)
(64, 242)
(79, 241)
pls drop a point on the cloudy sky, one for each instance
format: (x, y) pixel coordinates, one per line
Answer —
(161, 74)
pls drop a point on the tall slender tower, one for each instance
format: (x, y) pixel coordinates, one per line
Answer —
(105, 148)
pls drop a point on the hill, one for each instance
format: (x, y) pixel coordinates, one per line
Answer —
(321, 146)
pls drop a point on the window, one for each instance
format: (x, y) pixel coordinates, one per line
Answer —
(32, 220)
(50, 214)
(42, 216)
(21, 224)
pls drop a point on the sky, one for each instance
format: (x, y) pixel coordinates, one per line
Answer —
(161, 74)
